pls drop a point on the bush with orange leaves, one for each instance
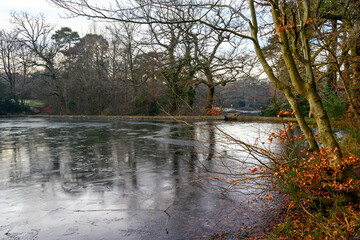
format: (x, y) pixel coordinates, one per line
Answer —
(320, 205)
(214, 111)
(315, 176)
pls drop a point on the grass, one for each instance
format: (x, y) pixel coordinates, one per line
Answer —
(335, 222)
(230, 235)
(351, 141)
(34, 103)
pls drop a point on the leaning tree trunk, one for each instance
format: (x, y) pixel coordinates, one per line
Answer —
(305, 87)
(278, 84)
(313, 146)
(322, 120)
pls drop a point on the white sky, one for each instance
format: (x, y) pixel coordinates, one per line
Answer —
(52, 14)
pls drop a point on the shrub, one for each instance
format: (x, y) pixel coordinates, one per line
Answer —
(320, 203)
(334, 106)
(10, 106)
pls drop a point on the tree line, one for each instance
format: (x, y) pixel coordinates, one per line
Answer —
(128, 68)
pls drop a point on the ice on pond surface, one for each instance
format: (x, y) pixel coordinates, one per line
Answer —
(68, 179)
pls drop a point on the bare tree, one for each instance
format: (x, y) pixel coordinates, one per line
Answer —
(169, 38)
(175, 42)
(126, 47)
(16, 65)
(9, 47)
(35, 34)
(336, 26)
(218, 58)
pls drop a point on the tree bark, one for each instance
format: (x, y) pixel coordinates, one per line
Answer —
(209, 98)
(211, 90)
(280, 85)
(306, 88)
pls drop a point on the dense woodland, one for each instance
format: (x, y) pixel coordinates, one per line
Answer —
(170, 60)
(159, 60)
(153, 60)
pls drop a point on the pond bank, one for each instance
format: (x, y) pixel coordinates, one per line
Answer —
(164, 118)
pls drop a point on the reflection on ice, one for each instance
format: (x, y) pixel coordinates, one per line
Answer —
(56, 173)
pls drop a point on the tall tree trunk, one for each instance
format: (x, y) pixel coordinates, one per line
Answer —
(306, 130)
(210, 98)
(355, 66)
(211, 90)
(278, 84)
(64, 106)
(322, 121)
(173, 103)
(306, 88)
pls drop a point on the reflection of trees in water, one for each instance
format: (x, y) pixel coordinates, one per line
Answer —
(175, 133)
(203, 152)
(18, 168)
(26, 153)
(124, 157)
(192, 159)
(211, 141)
(131, 161)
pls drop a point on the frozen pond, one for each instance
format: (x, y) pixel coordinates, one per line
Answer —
(62, 179)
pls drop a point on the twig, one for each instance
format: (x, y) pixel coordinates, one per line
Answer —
(165, 211)
(167, 219)
(117, 210)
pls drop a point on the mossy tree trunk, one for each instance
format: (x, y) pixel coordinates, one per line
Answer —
(285, 88)
(295, 50)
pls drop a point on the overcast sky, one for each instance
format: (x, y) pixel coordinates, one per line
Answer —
(52, 14)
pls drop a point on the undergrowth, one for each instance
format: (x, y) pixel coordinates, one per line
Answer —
(321, 198)
(351, 141)
(319, 205)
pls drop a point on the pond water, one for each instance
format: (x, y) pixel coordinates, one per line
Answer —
(72, 179)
